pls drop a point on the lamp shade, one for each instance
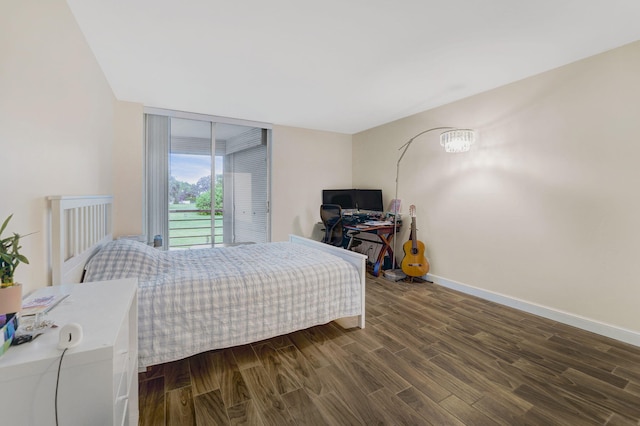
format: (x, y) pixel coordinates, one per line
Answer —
(457, 140)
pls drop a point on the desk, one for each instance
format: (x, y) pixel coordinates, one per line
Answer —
(385, 234)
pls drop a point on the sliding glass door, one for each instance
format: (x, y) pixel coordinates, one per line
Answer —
(192, 214)
(207, 181)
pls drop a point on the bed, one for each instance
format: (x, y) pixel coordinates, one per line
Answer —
(192, 301)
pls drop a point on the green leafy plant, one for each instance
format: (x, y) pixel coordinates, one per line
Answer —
(10, 257)
(203, 202)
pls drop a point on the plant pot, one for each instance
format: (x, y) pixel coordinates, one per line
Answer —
(10, 306)
(11, 299)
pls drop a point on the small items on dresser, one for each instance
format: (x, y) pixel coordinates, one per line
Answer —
(10, 304)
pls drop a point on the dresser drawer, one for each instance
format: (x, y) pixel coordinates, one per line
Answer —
(121, 355)
(121, 401)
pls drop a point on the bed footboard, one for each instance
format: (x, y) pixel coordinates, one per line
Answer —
(356, 259)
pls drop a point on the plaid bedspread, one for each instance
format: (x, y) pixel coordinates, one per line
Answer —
(191, 301)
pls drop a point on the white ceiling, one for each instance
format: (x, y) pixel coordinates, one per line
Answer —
(338, 65)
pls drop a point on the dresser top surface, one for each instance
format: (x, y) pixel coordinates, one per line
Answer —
(96, 307)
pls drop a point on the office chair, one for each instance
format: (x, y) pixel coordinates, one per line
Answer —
(331, 215)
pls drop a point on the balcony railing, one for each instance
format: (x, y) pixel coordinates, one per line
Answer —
(192, 228)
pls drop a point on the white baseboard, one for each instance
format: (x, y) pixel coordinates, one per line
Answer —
(608, 330)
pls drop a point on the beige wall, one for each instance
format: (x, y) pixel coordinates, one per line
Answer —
(304, 162)
(128, 167)
(56, 122)
(545, 208)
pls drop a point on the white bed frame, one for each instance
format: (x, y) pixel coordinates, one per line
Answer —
(357, 259)
(80, 225)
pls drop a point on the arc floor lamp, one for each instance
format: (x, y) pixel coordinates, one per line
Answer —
(453, 140)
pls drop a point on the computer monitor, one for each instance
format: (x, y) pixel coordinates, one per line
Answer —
(345, 198)
(369, 199)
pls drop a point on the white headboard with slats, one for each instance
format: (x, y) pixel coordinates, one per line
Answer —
(79, 227)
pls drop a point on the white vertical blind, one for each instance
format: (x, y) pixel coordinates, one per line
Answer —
(250, 187)
(246, 140)
(157, 165)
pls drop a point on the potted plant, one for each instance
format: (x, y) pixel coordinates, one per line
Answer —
(10, 292)
(10, 256)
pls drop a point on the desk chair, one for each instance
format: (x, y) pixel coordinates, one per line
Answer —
(331, 215)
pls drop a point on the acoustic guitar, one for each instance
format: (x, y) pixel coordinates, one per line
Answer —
(414, 263)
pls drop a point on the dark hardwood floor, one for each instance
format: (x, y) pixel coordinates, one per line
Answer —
(428, 355)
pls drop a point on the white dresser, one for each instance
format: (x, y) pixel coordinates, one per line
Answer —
(99, 378)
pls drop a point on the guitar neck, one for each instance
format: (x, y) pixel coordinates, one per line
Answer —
(414, 237)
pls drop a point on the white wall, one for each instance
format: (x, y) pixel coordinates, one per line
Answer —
(304, 162)
(544, 209)
(56, 122)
